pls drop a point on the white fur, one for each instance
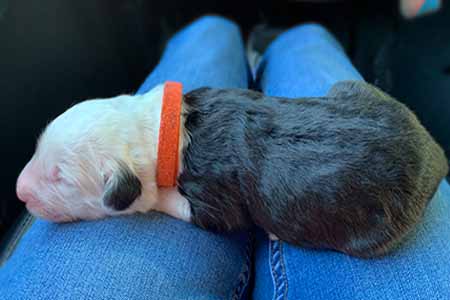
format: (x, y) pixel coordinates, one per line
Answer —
(65, 179)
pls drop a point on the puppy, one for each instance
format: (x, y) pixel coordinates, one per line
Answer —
(352, 171)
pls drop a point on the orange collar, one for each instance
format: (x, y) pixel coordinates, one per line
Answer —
(169, 135)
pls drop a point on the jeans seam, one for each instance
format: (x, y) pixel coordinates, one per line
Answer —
(16, 237)
(244, 275)
(278, 270)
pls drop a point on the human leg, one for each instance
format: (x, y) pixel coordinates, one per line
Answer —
(209, 52)
(304, 62)
(148, 256)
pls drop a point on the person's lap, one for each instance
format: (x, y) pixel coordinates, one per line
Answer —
(138, 257)
(149, 256)
(209, 52)
(303, 62)
(156, 257)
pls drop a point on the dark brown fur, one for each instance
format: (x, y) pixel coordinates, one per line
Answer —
(352, 171)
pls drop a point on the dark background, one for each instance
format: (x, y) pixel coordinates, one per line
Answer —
(54, 53)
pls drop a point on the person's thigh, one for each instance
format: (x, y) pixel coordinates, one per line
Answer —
(209, 52)
(137, 257)
(419, 269)
(306, 61)
(150, 256)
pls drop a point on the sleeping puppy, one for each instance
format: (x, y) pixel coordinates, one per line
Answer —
(352, 171)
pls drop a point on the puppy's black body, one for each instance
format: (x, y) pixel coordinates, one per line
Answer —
(352, 171)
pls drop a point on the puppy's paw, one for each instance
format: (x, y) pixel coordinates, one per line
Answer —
(171, 202)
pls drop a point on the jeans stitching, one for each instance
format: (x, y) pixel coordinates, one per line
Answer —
(272, 273)
(283, 269)
(244, 276)
(278, 270)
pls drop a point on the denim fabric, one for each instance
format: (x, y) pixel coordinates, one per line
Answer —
(304, 61)
(148, 256)
(209, 52)
(307, 61)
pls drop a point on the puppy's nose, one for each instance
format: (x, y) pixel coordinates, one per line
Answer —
(24, 185)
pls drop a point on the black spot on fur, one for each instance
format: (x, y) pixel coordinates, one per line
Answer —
(352, 171)
(122, 188)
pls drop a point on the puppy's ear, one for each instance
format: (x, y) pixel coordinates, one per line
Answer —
(121, 188)
(349, 88)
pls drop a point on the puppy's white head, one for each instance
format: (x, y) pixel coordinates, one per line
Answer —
(97, 159)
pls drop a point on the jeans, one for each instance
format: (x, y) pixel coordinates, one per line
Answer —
(307, 61)
(154, 256)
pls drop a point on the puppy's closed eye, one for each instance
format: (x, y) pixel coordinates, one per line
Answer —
(121, 188)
